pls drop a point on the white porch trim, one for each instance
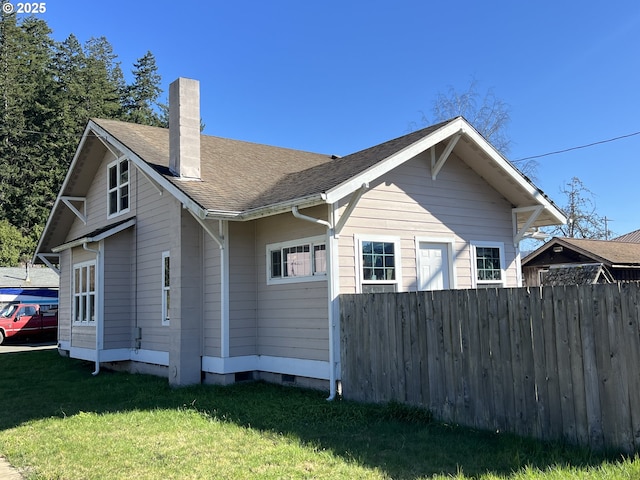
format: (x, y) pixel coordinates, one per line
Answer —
(265, 363)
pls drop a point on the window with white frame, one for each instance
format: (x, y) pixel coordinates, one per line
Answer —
(117, 187)
(380, 266)
(166, 287)
(489, 264)
(297, 261)
(84, 292)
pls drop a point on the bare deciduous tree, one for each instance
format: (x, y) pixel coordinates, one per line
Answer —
(580, 208)
(489, 115)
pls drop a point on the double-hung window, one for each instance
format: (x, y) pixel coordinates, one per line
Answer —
(488, 264)
(166, 287)
(84, 292)
(117, 187)
(297, 261)
(379, 264)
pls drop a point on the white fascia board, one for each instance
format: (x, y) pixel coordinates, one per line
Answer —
(269, 210)
(150, 172)
(514, 174)
(97, 238)
(346, 188)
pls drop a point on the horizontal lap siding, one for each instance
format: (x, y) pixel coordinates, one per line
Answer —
(119, 315)
(406, 203)
(292, 318)
(151, 239)
(212, 305)
(242, 289)
(96, 202)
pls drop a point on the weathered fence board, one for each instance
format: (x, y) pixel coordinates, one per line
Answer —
(555, 363)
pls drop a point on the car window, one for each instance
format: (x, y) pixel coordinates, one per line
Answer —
(8, 311)
(30, 311)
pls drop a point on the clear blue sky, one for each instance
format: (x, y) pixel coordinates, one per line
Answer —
(338, 76)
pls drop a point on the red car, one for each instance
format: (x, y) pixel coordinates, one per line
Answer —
(28, 320)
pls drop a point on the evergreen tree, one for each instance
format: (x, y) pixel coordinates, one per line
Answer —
(26, 149)
(48, 91)
(142, 103)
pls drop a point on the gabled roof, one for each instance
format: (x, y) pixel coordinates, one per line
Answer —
(243, 180)
(631, 237)
(601, 251)
(586, 274)
(240, 178)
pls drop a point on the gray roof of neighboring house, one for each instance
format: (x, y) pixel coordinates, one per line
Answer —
(38, 276)
(631, 237)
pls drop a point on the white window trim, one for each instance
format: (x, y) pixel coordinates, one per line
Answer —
(119, 186)
(82, 266)
(474, 264)
(358, 239)
(448, 240)
(164, 288)
(314, 277)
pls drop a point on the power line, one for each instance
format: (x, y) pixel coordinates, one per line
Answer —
(577, 148)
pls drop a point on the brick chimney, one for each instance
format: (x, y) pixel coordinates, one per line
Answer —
(184, 128)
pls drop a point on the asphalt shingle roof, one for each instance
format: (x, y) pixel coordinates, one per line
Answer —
(609, 251)
(237, 176)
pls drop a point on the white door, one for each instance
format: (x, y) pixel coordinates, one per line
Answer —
(434, 266)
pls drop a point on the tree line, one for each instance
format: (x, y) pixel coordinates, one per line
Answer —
(48, 92)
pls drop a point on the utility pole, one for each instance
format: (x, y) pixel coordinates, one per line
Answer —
(606, 227)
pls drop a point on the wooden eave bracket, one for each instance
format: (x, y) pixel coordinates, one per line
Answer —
(522, 232)
(208, 227)
(68, 201)
(353, 201)
(436, 165)
(45, 260)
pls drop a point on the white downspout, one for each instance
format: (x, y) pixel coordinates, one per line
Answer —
(297, 214)
(98, 311)
(332, 367)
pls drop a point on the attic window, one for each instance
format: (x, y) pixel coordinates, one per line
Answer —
(117, 187)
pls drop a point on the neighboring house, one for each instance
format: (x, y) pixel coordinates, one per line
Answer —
(570, 261)
(208, 259)
(28, 284)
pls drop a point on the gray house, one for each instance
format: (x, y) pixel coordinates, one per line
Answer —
(207, 259)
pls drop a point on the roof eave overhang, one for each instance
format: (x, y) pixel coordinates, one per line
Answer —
(533, 196)
(94, 238)
(61, 194)
(268, 210)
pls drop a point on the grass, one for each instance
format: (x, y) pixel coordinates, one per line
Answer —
(60, 422)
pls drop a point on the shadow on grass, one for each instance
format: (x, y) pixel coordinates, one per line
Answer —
(399, 441)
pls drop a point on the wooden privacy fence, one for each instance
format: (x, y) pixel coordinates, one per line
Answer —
(554, 363)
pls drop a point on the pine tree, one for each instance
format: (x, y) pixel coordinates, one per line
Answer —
(142, 103)
(27, 106)
(48, 92)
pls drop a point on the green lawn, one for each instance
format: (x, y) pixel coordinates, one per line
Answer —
(60, 422)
